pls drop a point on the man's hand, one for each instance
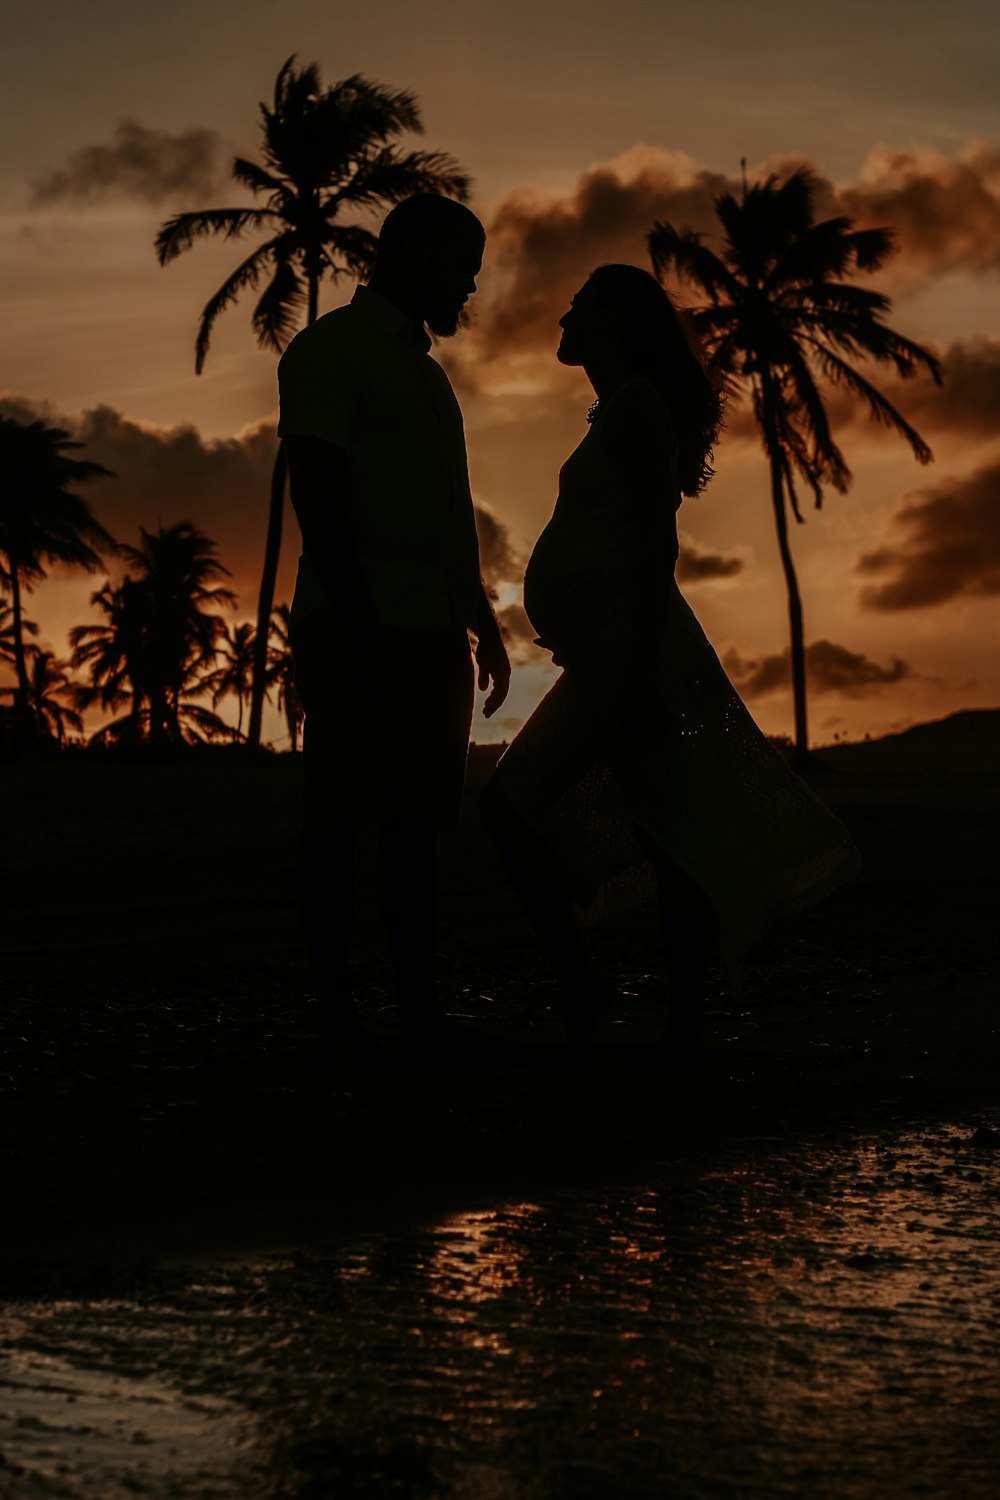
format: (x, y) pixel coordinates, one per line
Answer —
(493, 665)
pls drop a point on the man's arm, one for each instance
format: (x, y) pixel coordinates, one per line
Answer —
(491, 655)
(318, 480)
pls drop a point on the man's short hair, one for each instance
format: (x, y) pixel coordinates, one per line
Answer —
(425, 216)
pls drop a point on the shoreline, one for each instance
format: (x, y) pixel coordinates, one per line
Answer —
(159, 1053)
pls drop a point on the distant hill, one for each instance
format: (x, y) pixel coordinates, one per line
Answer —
(964, 743)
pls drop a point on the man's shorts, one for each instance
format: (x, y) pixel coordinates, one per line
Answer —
(386, 727)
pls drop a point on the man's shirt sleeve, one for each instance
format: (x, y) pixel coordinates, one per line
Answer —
(316, 396)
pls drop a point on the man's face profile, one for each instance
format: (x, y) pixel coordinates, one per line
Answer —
(451, 269)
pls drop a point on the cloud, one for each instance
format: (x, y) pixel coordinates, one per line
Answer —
(694, 565)
(170, 474)
(519, 633)
(499, 558)
(967, 404)
(830, 669)
(945, 209)
(150, 166)
(542, 246)
(944, 544)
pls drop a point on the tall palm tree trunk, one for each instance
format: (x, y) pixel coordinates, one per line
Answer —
(22, 695)
(265, 602)
(795, 624)
(272, 554)
(313, 312)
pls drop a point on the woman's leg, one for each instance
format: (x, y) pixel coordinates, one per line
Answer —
(543, 886)
(688, 925)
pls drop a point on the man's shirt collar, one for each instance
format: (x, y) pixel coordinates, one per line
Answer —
(389, 318)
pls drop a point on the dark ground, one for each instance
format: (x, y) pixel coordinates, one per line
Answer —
(160, 1089)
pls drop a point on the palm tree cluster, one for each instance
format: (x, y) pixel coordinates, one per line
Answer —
(778, 317)
(326, 152)
(43, 521)
(47, 689)
(154, 651)
(162, 653)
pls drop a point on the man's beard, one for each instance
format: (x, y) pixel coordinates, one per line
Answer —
(445, 319)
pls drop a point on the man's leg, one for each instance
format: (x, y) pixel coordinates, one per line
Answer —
(544, 888)
(324, 879)
(406, 886)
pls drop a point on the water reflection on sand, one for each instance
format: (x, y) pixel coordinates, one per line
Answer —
(809, 1319)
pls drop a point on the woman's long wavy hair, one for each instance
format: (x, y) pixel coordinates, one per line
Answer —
(662, 345)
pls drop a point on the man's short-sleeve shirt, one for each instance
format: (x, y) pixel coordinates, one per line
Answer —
(362, 377)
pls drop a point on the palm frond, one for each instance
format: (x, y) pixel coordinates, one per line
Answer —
(684, 251)
(252, 175)
(370, 111)
(872, 247)
(355, 247)
(835, 296)
(275, 319)
(179, 233)
(388, 175)
(825, 460)
(247, 274)
(880, 408)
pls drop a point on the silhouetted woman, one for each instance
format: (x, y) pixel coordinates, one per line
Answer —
(641, 764)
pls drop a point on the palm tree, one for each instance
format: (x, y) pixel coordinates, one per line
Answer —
(159, 638)
(325, 151)
(779, 313)
(281, 672)
(42, 519)
(48, 686)
(113, 655)
(235, 676)
(28, 627)
(175, 569)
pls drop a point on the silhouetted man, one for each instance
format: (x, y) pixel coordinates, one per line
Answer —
(387, 591)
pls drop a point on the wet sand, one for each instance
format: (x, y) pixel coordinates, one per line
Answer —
(167, 1126)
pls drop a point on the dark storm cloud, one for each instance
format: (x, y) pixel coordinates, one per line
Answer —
(694, 565)
(151, 166)
(944, 543)
(830, 669)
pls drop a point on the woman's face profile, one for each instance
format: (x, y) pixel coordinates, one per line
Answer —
(588, 326)
(574, 323)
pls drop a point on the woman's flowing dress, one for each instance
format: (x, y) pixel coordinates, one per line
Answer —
(643, 728)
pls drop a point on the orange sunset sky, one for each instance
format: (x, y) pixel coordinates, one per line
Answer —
(580, 124)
